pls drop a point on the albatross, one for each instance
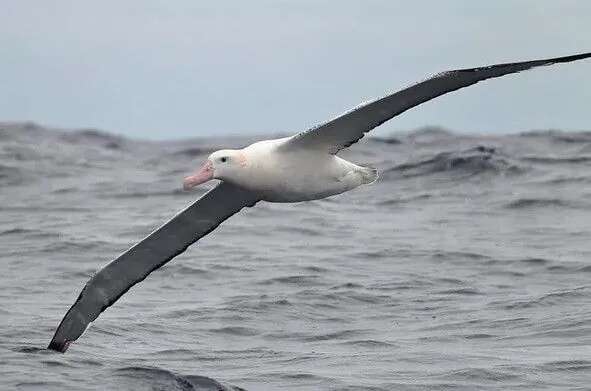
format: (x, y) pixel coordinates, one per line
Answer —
(299, 168)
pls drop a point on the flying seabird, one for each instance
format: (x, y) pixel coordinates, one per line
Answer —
(292, 169)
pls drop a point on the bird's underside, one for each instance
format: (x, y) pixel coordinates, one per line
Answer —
(228, 198)
(290, 176)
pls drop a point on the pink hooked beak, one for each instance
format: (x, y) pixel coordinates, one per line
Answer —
(204, 174)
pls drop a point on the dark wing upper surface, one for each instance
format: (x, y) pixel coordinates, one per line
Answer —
(162, 245)
(348, 128)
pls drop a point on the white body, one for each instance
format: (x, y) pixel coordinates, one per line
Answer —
(299, 175)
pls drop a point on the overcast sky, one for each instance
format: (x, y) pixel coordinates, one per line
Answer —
(166, 69)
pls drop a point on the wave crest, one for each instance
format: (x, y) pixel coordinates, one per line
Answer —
(471, 161)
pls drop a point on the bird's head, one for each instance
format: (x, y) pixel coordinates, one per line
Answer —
(224, 164)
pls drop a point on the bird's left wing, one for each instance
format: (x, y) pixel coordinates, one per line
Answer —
(348, 128)
(162, 245)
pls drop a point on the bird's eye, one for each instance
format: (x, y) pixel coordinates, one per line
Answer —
(224, 159)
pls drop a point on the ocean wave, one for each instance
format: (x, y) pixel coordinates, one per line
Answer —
(428, 134)
(95, 137)
(557, 160)
(566, 179)
(240, 331)
(31, 349)
(559, 136)
(11, 176)
(406, 200)
(481, 374)
(194, 151)
(141, 378)
(369, 344)
(177, 192)
(460, 291)
(14, 130)
(298, 280)
(535, 261)
(386, 140)
(471, 161)
(309, 336)
(567, 365)
(298, 230)
(182, 270)
(549, 299)
(528, 203)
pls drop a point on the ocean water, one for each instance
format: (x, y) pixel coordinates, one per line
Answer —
(466, 266)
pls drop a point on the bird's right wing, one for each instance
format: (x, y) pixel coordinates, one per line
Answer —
(162, 245)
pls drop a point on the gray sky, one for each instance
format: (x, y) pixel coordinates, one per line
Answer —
(165, 69)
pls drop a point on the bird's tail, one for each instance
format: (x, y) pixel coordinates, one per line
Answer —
(368, 174)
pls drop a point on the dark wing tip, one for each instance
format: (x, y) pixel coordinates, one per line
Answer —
(525, 64)
(59, 346)
(574, 57)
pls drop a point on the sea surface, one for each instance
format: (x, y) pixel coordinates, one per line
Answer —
(466, 266)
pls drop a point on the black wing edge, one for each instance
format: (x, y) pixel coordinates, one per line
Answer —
(61, 344)
(530, 64)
